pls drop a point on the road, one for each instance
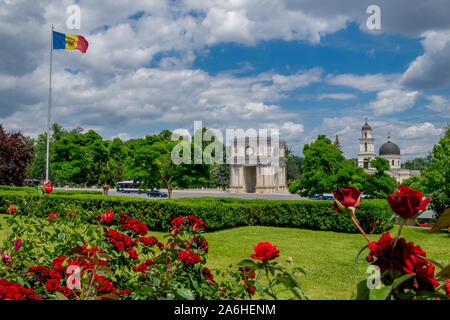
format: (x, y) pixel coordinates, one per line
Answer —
(208, 193)
(203, 193)
(217, 193)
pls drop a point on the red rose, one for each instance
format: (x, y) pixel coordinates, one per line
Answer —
(177, 222)
(133, 254)
(108, 217)
(183, 255)
(250, 289)
(348, 197)
(404, 258)
(447, 286)
(407, 202)
(151, 241)
(265, 251)
(125, 291)
(65, 291)
(52, 217)
(11, 209)
(52, 285)
(140, 268)
(149, 262)
(48, 187)
(120, 245)
(208, 275)
(193, 259)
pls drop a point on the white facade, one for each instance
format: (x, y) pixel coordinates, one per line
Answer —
(258, 165)
(366, 147)
(389, 151)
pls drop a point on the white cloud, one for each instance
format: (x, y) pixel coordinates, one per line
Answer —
(336, 96)
(439, 104)
(366, 83)
(301, 79)
(425, 129)
(393, 100)
(432, 69)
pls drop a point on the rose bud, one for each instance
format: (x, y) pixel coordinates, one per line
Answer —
(48, 187)
(347, 200)
(17, 244)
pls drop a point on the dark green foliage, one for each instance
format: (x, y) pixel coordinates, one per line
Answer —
(380, 164)
(294, 165)
(219, 213)
(222, 172)
(418, 163)
(325, 169)
(31, 190)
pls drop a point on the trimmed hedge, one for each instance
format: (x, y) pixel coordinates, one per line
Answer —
(219, 213)
(55, 192)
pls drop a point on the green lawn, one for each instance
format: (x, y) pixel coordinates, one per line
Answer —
(329, 257)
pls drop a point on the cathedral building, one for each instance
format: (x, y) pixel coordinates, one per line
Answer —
(389, 151)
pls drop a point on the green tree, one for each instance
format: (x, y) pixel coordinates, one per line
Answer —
(414, 182)
(380, 164)
(294, 165)
(418, 163)
(436, 179)
(325, 169)
(36, 170)
(380, 184)
(152, 163)
(73, 158)
(107, 160)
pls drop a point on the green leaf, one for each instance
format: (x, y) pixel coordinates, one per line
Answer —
(60, 296)
(185, 293)
(247, 263)
(279, 266)
(402, 279)
(260, 290)
(294, 279)
(444, 272)
(363, 291)
(442, 223)
(300, 269)
(259, 275)
(298, 293)
(380, 294)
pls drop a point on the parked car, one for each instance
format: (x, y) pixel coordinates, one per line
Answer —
(323, 196)
(157, 194)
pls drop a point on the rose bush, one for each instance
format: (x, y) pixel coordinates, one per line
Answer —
(118, 259)
(406, 271)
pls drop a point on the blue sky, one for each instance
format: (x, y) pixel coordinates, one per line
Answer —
(304, 67)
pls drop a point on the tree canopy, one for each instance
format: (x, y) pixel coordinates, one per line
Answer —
(16, 152)
(325, 169)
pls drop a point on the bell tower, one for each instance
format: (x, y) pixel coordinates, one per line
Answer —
(366, 147)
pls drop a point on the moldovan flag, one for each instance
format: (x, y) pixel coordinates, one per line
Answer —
(69, 42)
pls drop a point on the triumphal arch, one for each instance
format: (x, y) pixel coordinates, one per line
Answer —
(258, 165)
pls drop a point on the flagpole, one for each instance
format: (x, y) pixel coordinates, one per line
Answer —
(49, 109)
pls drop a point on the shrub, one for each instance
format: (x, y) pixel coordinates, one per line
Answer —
(32, 190)
(219, 213)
